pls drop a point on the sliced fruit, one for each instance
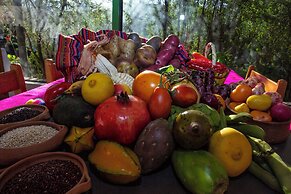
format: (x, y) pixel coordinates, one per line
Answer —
(117, 164)
(80, 139)
(261, 116)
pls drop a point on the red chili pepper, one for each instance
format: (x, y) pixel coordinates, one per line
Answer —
(196, 55)
(204, 64)
(219, 67)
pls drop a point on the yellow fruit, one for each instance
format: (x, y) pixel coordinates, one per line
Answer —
(80, 139)
(232, 105)
(75, 88)
(259, 102)
(232, 149)
(97, 87)
(243, 107)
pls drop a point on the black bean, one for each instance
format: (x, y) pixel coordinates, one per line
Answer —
(19, 114)
(53, 177)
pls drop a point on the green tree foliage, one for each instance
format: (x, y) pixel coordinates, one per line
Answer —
(44, 20)
(245, 32)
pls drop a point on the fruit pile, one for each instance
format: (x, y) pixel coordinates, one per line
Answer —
(266, 106)
(127, 132)
(130, 117)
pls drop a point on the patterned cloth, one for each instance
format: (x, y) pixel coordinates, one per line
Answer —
(70, 49)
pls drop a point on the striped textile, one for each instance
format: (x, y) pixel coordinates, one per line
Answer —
(70, 49)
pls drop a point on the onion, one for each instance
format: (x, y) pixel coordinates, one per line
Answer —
(280, 112)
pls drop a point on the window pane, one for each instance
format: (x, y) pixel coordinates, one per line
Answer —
(42, 21)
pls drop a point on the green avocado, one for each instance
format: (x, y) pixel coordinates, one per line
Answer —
(74, 111)
(200, 172)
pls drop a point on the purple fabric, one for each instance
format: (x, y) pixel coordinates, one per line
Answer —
(22, 98)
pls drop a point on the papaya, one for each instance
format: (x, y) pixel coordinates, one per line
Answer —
(200, 172)
(74, 111)
(116, 163)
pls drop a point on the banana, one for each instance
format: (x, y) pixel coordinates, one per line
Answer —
(239, 117)
(75, 88)
(250, 130)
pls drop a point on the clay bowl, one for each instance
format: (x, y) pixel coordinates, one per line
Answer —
(276, 132)
(44, 115)
(12, 155)
(82, 186)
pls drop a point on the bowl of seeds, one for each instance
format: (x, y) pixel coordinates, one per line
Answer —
(23, 113)
(26, 139)
(49, 172)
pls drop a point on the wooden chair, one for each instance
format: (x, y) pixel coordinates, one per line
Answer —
(51, 72)
(270, 85)
(12, 81)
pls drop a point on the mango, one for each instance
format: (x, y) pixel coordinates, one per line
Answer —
(200, 172)
(116, 163)
(243, 107)
(259, 102)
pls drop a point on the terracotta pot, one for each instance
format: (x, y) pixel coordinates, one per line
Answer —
(82, 186)
(44, 115)
(276, 132)
(13, 155)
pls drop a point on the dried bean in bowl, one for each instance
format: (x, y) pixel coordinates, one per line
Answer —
(19, 114)
(26, 136)
(52, 177)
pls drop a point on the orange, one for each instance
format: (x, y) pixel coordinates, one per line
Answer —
(241, 93)
(261, 116)
(144, 84)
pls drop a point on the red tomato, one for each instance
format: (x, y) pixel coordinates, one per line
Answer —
(160, 103)
(145, 83)
(53, 92)
(184, 95)
(121, 118)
